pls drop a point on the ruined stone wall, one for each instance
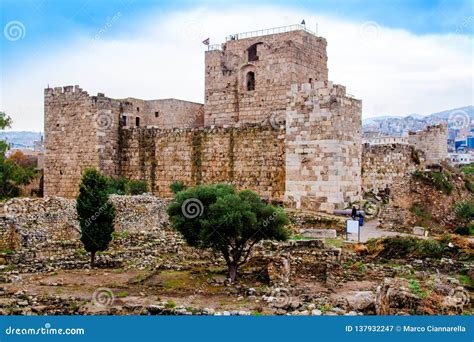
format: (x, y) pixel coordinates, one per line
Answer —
(281, 60)
(80, 131)
(250, 157)
(323, 147)
(44, 233)
(388, 165)
(433, 141)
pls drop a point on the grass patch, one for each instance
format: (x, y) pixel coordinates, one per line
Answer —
(468, 169)
(338, 243)
(439, 180)
(415, 288)
(324, 308)
(170, 304)
(120, 235)
(465, 210)
(300, 237)
(398, 247)
(122, 294)
(424, 217)
(467, 281)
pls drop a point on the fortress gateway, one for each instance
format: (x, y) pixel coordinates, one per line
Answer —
(271, 122)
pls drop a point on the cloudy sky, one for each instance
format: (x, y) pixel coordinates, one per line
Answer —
(399, 57)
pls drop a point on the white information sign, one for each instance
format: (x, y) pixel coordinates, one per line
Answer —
(352, 226)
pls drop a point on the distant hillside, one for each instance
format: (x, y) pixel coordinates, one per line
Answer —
(457, 118)
(21, 139)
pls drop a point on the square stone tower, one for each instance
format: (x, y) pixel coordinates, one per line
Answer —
(248, 77)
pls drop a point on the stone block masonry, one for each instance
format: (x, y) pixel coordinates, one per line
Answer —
(247, 80)
(386, 166)
(433, 141)
(249, 156)
(80, 131)
(323, 147)
(84, 131)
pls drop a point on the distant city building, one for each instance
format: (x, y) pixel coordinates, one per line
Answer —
(461, 158)
(470, 142)
(385, 139)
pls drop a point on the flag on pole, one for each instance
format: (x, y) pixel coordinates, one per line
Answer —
(303, 22)
(206, 41)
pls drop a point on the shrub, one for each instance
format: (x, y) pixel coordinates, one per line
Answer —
(399, 247)
(468, 169)
(96, 214)
(465, 230)
(469, 185)
(415, 155)
(420, 212)
(440, 180)
(442, 183)
(428, 249)
(177, 186)
(118, 185)
(136, 187)
(465, 210)
(229, 222)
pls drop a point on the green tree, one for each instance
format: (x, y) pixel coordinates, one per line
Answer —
(96, 213)
(5, 122)
(229, 222)
(13, 172)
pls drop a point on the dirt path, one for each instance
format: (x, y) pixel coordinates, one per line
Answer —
(370, 230)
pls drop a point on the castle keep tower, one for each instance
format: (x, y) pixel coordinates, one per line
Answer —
(271, 122)
(248, 77)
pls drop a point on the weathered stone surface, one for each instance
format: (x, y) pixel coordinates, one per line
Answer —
(419, 231)
(432, 141)
(319, 233)
(361, 300)
(387, 166)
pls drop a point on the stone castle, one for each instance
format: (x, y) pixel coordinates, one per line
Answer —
(271, 122)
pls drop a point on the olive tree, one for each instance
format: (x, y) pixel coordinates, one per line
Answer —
(230, 222)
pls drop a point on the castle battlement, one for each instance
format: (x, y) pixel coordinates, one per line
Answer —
(57, 91)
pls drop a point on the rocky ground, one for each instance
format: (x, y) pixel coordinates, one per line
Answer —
(148, 270)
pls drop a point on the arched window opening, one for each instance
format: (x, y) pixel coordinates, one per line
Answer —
(250, 81)
(252, 51)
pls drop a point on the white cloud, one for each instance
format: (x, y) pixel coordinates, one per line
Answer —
(393, 71)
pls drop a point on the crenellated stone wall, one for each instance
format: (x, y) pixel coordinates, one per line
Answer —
(80, 131)
(83, 131)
